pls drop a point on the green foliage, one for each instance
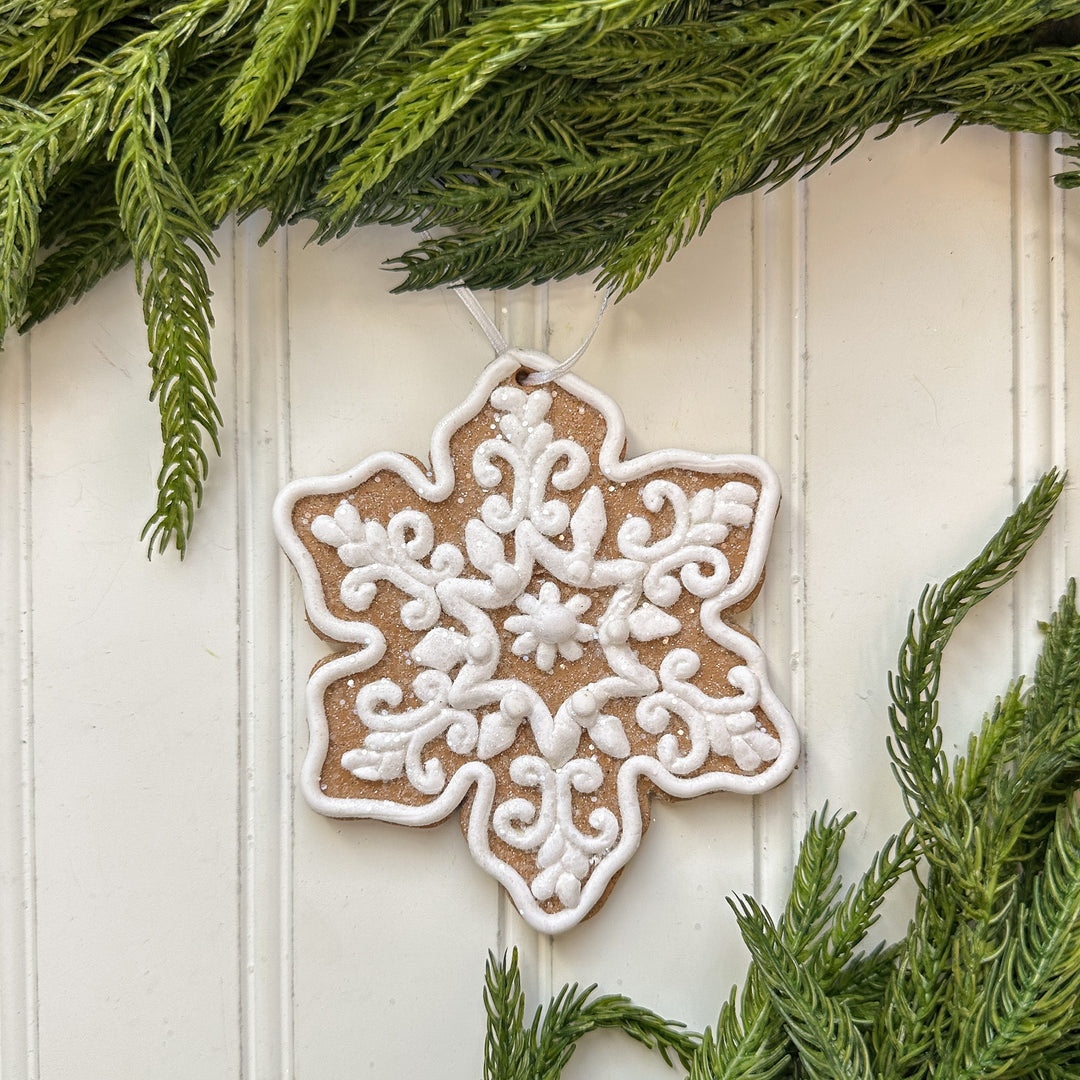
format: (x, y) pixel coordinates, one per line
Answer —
(985, 984)
(541, 1051)
(535, 138)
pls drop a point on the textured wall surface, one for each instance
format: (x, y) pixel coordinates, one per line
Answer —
(893, 335)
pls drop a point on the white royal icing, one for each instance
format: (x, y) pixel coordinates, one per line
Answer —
(466, 699)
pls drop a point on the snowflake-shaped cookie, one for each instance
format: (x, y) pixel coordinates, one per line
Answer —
(539, 623)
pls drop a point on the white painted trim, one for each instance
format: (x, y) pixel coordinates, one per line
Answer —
(19, 1035)
(265, 658)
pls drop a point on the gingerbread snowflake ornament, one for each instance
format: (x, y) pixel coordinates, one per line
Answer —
(538, 631)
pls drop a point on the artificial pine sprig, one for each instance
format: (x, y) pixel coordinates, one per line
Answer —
(985, 984)
(165, 230)
(541, 1052)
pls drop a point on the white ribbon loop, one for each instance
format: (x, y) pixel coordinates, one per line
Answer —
(502, 347)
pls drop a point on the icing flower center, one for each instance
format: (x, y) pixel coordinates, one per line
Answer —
(547, 628)
(555, 623)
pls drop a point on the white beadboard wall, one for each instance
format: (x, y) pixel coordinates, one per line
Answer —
(893, 335)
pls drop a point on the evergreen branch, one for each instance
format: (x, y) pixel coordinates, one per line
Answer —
(504, 38)
(542, 1052)
(1033, 987)
(964, 896)
(1041, 767)
(753, 1046)
(286, 37)
(862, 984)
(91, 250)
(1005, 826)
(281, 166)
(725, 162)
(984, 985)
(853, 918)
(750, 1042)
(1056, 687)
(548, 137)
(505, 1048)
(987, 748)
(36, 144)
(573, 1014)
(823, 1028)
(814, 885)
(36, 50)
(166, 233)
(905, 1034)
(915, 745)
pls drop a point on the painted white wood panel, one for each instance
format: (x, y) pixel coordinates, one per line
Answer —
(893, 335)
(134, 712)
(909, 442)
(370, 373)
(18, 910)
(677, 356)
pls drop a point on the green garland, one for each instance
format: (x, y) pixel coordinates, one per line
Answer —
(986, 983)
(541, 138)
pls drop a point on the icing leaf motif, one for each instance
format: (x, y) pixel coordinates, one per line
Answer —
(588, 523)
(484, 548)
(649, 623)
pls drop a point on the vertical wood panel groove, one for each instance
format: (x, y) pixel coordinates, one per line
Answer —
(1058, 345)
(1038, 366)
(264, 618)
(521, 316)
(779, 426)
(19, 1036)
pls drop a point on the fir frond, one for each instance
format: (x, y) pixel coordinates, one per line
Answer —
(984, 984)
(167, 233)
(36, 51)
(1032, 989)
(503, 39)
(726, 162)
(1041, 765)
(906, 1033)
(749, 1042)
(36, 144)
(1001, 727)
(823, 1028)
(856, 914)
(815, 884)
(91, 250)
(915, 746)
(540, 138)
(542, 1052)
(286, 37)
(505, 1048)
(1056, 685)
(572, 1014)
